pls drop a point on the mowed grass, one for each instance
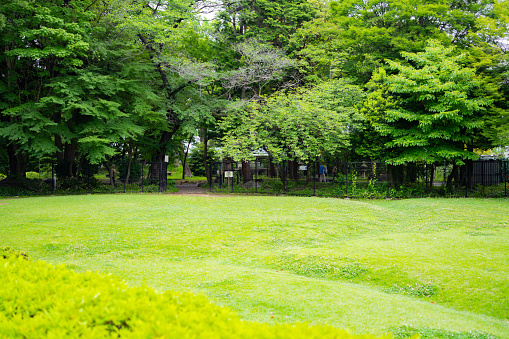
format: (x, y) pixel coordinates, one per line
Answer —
(366, 266)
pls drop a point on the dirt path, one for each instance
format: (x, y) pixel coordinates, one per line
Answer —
(190, 189)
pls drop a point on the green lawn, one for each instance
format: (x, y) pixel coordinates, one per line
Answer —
(176, 174)
(367, 266)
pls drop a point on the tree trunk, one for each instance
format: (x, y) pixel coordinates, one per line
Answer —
(272, 168)
(205, 153)
(130, 154)
(454, 175)
(69, 158)
(294, 170)
(396, 174)
(185, 167)
(431, 175)
(411, 172)
(17, 162)
(247, 173)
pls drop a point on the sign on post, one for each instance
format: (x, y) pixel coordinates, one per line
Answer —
(228, 174)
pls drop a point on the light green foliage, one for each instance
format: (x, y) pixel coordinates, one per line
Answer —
(439, 107)
(297, 125)
(98, 110)
(373, 30)
(82, 79)
(7, 252)
(39, 300)
(354, 38)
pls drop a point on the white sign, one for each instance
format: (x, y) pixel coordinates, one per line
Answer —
(166, 158)
(303, 168)
(228, 174)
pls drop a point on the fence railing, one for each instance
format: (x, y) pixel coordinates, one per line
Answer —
(144, 177)
(340, 179)
(363, 179)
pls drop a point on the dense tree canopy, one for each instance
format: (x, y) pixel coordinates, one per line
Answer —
(85, 80)
(299, 125)
(438, 109)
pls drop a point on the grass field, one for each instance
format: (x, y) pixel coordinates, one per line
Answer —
(367, 266)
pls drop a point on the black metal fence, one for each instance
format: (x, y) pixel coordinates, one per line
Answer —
(142, 177)
(362, 179)
(487, 178)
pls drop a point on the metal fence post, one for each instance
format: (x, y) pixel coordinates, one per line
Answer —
(346, 181)
(285, 184)
(210, 176)
(256, 176)
(53, 177)
(314, 180)
(88, 179)
(506, 175)
(466, 179)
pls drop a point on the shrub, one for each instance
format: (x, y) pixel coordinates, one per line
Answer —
(74, 184)
(7, 252)
(278, 186)
(195, 160)
(32, 175)
(40, 300)
(134, 174)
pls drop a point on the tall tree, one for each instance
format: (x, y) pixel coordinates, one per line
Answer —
(39, 42)
(439, 106)
(300, 125)
(356, 36)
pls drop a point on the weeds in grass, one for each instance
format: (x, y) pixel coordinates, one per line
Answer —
(319, 266)
(416, 290)
(429, 333)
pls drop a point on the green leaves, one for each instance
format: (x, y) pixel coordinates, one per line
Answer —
(440, 106)
(40, 300)
(298, 125)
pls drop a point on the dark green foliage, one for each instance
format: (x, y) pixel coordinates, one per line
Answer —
(195, 159)
(80, 184)
(62, 169)
(88, 169)
(135, 172)
(264, 20)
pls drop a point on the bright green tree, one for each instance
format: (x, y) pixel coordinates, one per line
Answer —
(438, 107)
(300, 125)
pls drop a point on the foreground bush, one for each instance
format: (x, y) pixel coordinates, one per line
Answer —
(39, 300)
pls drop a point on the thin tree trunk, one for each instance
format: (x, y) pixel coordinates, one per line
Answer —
(453, 176)
(130, 153)
(184, 160)
(308, 173)
(205, 154)
(431, 175)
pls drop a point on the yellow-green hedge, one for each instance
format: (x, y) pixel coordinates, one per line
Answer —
(38, 300)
